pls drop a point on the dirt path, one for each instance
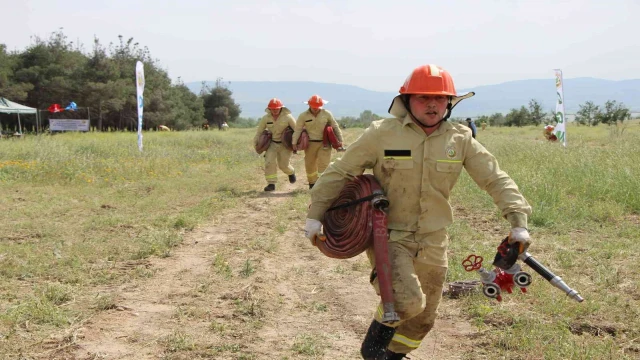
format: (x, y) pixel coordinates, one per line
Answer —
(243, 288)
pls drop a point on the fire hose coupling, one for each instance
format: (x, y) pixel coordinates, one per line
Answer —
(520, 278)
(389, 315)
(380, 201)
(507, 273)
(498, 280)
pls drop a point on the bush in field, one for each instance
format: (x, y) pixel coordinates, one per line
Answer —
(536, 115)
(245, 123)
(588, 114)
(613, 113)
(362, 121)
(517, 117)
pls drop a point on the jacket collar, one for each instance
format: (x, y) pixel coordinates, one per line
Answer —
(283, 112)
(444, 126)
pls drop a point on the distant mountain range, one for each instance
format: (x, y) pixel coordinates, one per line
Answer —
(349, 100)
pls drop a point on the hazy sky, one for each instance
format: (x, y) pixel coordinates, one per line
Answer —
(373, 44)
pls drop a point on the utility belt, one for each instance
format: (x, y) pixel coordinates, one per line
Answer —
(316, 140)
(277, 142)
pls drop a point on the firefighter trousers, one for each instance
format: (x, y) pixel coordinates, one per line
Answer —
(316, 160)
(276, 156)
(418, 271)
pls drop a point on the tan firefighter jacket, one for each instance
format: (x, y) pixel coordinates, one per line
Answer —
(275, 127)
(315, 125)
(417, 173)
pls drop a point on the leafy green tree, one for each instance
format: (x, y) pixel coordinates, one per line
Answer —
(8, 88)
(367, 116)
(613, 113)
(536, 115)
(497, 119)
(186, 107)
(220, 115)
(56, 70)
(349, 121)
(216, 100)
(362, 121)
(588, 114)
(245, 122)
(106, 98)
(483, 118)
(517, 117)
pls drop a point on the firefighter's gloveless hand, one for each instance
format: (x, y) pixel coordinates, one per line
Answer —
(520, 235)
(311, 230)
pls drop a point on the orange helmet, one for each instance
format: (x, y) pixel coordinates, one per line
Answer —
(275, 104)
(316, 102)
(429, 79)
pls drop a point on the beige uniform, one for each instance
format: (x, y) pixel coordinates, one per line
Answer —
(276, 156)
(316, 157)
(417, 173)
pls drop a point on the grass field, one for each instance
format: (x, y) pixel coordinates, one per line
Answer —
(81, 213)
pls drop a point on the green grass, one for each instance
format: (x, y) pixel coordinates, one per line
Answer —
(584, 226)
(309, 345)
(82, 211)
(247, 269)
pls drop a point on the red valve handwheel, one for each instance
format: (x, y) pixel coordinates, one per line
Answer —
(472, 262)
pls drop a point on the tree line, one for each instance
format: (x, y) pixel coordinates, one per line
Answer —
(102, 84)
(589, 114)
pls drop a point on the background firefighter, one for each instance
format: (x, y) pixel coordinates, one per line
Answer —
(417, 157)
(277, 119)
(472, 125)
(316, 156)
(547, 131)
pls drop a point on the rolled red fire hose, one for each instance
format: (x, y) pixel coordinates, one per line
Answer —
(264, 140)
(356, 220)
(287, 138)
(303, 140)
(330, 138)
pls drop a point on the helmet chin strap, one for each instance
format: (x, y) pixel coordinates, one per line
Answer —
(405, 102)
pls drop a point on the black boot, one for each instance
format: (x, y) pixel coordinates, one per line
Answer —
(292, 178)
(376, 341)
(390, 355)
(270, 187)
(311, 186)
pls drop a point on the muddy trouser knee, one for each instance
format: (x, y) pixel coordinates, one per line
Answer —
(418, 271)
(311, 160)
(270, 164)
(284, 158)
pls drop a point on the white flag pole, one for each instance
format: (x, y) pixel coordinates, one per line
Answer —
(140, 93)
(560, 128)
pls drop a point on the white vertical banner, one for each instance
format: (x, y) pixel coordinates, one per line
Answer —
(560, 130)
(140, 93)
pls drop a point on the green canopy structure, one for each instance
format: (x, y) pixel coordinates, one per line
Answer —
(10, 107)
